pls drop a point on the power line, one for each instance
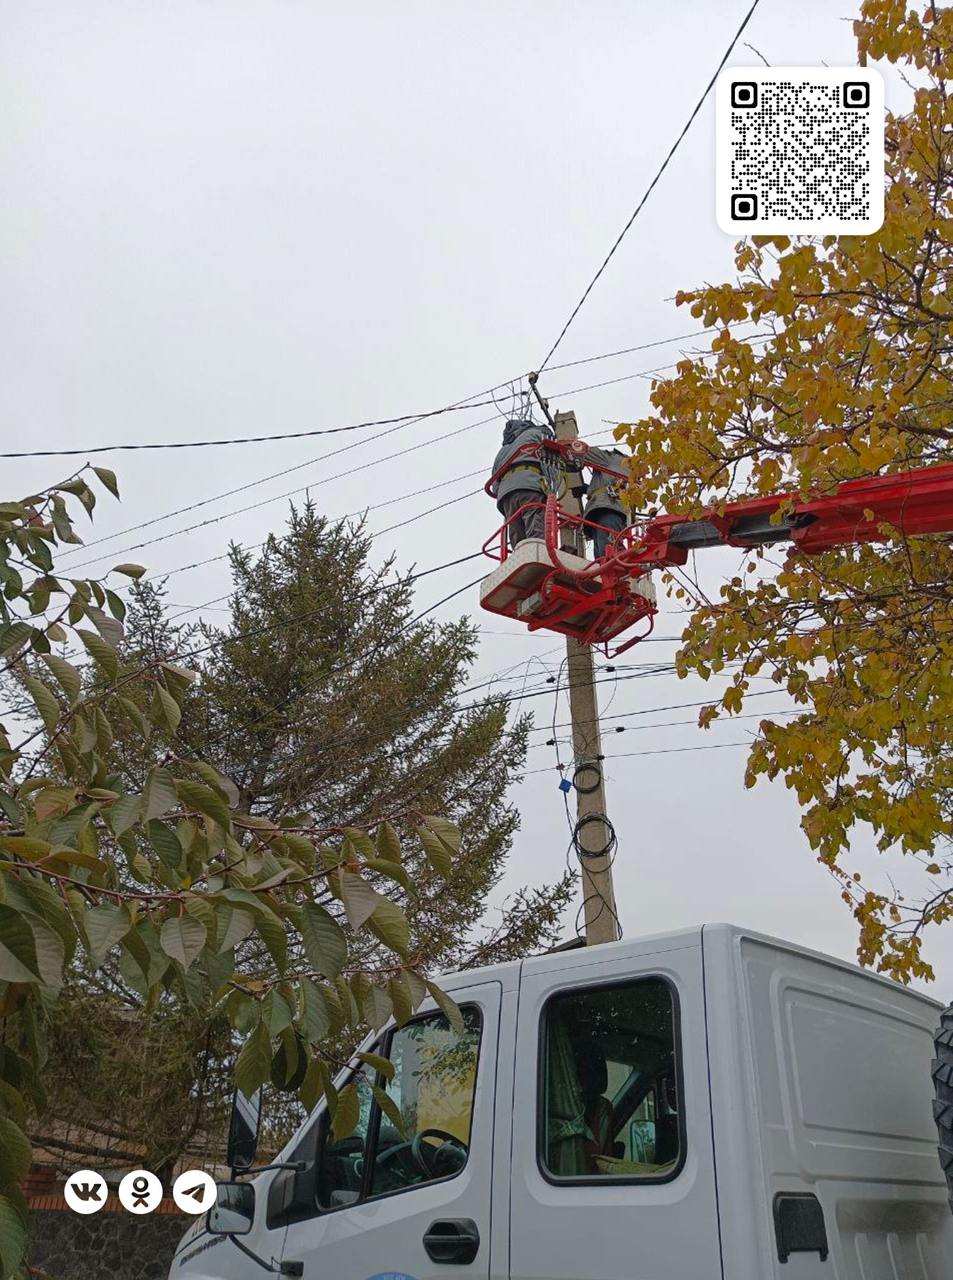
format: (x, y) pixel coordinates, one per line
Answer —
(230, 493)
(638, 209)
(655, 751)
(254, 506)
(401, 419)
(372, 462)
(665, 724)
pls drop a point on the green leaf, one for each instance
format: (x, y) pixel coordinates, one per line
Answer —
(203, 910)
(143, 962)
(390, 1110)
(383, 1065)
(389, 924)
(165, 842)
(290, 1062)
(376, 1007)
(53, 801)
(301, 850)
(448, 1007)
(312, 1087)
(242, 1011)
(436, 852)
(347, 1113)
(234, 925)
(124, 813)
(13, 636)
(388, 843)
(45, 700)
(315, 1015)
(102, 654)
(18, 962)
(130, 570)
(116, 606)
(276, 1013)
(165, 711)
(272, 933)
(10, 808)
(110, 630)
(392, 870)
(217, 781)
(349, 1007)
(160, 793)
(253, 1067)
(400, 999)
(109, 480)
(417, 988)
(134, 713)
(324, 941)
(84, 733)
(66, 674)
(360, 900)
(182, 938)
(104, 927)
(12, 1236)
(203, 799)
(361, 842)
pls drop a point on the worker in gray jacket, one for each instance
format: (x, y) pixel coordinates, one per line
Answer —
(604, 505)
(523, 481)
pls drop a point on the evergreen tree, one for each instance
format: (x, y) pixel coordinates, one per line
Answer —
(325, 697)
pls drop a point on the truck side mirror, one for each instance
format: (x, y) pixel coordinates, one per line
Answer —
(234, 1212)
(243, 1130)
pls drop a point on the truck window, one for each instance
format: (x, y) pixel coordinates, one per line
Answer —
(423, 1132)
(609, 1099)
(341, 1161)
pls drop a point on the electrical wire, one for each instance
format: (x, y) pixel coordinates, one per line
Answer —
(638, 209)
(658, 751)
(315, 484)
(400, 421)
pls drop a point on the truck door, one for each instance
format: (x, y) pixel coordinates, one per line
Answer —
(612, 1152)
(406, 1195)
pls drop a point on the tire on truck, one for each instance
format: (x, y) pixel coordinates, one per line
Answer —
(942, 1070)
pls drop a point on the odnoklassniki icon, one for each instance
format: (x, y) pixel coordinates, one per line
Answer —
(140, 1191)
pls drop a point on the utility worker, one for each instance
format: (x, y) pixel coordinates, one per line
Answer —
(523, 481)
(604, 505)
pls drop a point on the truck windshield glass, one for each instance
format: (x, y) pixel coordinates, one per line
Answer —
(609, 1095)
(417, 1128)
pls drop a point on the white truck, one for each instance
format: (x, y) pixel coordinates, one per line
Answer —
(702, 1105)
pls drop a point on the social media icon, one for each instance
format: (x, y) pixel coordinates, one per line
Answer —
(194, 1191)
(140, 1191)
(85, 1191)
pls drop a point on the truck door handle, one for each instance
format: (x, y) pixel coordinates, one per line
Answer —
(452, 1240)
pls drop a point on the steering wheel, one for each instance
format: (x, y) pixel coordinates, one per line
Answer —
(402, 1154)
(428, 1158)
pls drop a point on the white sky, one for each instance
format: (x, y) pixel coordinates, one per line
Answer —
(231, 218)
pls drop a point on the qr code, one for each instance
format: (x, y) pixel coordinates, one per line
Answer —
(800, 150)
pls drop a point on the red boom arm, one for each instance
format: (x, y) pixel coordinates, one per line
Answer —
(913, 502)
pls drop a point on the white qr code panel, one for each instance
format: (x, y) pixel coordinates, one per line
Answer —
(800, 151)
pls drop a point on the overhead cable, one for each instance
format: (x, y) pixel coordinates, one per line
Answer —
(648, 191)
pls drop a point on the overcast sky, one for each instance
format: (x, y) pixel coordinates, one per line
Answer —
(224, 218)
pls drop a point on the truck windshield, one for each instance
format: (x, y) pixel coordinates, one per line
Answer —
(414, 1128)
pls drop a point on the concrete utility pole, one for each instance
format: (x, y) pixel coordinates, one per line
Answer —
(592, 833)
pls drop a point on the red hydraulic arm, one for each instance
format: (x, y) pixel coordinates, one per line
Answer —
(911, 502)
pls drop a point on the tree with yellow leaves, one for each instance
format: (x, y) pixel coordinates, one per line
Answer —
(851, 375)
